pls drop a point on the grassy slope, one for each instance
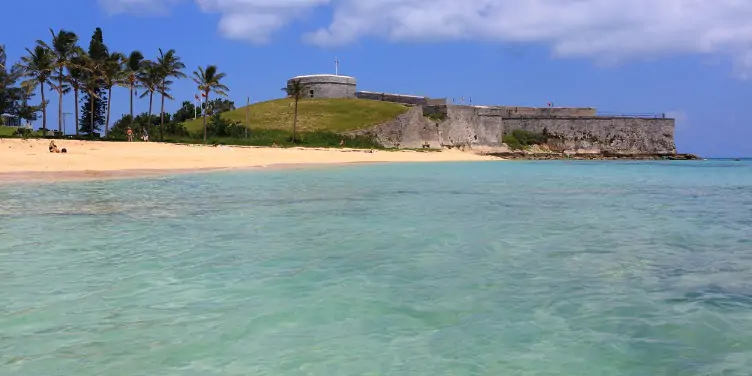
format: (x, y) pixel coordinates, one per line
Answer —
(334, 115)
(11, 131)
(7, 131)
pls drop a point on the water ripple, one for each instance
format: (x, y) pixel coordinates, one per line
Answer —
(550, 268)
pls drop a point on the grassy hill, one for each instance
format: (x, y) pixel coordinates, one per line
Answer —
(332, 115)
(7, 131)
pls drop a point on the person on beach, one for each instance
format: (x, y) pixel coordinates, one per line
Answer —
(129, 133)
(145, 135)
(53, 147)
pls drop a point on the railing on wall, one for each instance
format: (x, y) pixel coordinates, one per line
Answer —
(647, 115)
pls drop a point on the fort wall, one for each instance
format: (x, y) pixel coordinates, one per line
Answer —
(626, 135)
(413, 100)
(482, 128)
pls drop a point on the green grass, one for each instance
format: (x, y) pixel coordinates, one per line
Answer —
(12, 132)
(7, 131)
(330, 115)
(279, 137)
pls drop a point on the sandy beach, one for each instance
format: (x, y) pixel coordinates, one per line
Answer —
(30, 160)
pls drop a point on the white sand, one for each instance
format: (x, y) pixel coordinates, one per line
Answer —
(31, 159)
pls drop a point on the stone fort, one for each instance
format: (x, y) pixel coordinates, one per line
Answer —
(435, 123)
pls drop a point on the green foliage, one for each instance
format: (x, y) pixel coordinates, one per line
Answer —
(187, 111)
(295, 89)
(95, 98)
(10, 94)
(283, 138)
(520, 139)
(437, 116)
(37, 67)
(150, 123)
(220, 127)
(219, 105)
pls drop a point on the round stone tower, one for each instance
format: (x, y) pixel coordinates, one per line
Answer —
(327, 85)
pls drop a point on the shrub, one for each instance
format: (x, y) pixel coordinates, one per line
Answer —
(520, 139)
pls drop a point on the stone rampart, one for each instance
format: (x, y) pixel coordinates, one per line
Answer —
(481, 128)
(439, 127)
(601, 134)
(391, 97)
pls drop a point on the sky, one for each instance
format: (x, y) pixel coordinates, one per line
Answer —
(690, 59)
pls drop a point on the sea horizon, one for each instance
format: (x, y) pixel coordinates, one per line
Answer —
(463, 268)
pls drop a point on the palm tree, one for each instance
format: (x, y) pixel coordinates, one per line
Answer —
(76, 77)
(169, 65)
(91, 83)
(64, 48)
(38, 68)
(208, 81)
(295, 90)
(133, 66)
(113, 73)
(149, 77)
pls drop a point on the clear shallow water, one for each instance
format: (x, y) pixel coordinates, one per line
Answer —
(510, 268)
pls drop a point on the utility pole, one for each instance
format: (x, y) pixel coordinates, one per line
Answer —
(336, 66)
(247, 113)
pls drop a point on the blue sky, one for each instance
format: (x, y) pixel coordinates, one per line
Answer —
(688, 58)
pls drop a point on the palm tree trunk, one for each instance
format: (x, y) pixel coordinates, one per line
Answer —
(294, 120)
(131, 124)
(91, 112)
(161, 123)
(207, 100)
(151, 97)
(44, 111)
(107, 122)
(60, 103)
(75, 93)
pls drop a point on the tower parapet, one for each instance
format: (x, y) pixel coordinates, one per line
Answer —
(327, 85)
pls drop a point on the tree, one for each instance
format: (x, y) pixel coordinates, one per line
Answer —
(10, 95)
(38, 66)
(134, 64)
(93, 116)
(208, 81)
(149, 78)
(295, 90)
(113, 73)
(63, 48)
(186, 111)
(94, 107)
(219, 105)
(169, 65)
(76, 77)
(25, 111)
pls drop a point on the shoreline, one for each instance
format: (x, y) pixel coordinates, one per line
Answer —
(29, 161)
(36, 177)
(600, 156)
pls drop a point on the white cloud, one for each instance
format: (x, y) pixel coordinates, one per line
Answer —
(140, 7)
(606, 30)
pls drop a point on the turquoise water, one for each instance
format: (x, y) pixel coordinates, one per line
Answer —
(507, 268)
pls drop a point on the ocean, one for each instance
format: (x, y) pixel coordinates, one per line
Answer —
(484, 268)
